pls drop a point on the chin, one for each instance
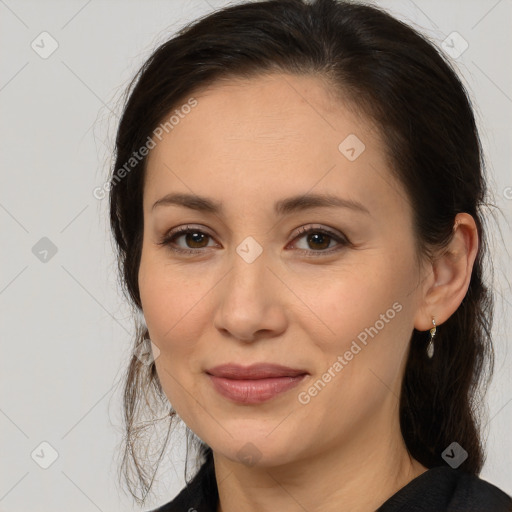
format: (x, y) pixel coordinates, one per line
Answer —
(256, 450)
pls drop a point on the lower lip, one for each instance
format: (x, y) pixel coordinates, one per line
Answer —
(254, 391)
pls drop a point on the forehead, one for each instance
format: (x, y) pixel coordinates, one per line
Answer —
(265, 135)
(268, 107)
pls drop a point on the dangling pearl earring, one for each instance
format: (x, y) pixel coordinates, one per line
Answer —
(430, 347)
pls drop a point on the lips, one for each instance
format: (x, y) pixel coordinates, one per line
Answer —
(254, 384)
(254, 372)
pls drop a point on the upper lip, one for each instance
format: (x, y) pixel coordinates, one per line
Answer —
(254, 371)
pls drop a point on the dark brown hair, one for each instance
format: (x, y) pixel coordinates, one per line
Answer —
(398, 79)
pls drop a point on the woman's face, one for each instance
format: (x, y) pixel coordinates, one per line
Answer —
(338, 304)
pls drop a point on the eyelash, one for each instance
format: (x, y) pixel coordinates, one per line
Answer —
(171, 236)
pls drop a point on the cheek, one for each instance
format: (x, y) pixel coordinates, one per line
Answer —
(172, 304)
(366, 318)
(173, 310)
(347, 302)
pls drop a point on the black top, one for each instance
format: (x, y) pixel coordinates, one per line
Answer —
(440, 489)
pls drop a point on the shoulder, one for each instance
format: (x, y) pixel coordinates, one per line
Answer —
(443, 489)
(472, 491)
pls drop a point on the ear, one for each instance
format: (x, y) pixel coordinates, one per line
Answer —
(448, 276)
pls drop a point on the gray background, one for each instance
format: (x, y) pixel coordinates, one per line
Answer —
(66, 331)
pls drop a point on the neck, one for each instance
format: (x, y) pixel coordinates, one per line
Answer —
(358, 476)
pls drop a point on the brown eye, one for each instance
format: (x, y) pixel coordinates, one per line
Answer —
(320, 241)
(194, 240)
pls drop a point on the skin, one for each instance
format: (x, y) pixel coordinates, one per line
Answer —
(248, 144)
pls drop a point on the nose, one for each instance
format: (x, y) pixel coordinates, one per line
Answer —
(250, 302)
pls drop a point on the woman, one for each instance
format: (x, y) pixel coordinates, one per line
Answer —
(296, 205)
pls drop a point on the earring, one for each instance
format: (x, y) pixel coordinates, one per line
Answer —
(430, 347)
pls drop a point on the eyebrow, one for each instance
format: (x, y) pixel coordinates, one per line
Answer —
(282, 207)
